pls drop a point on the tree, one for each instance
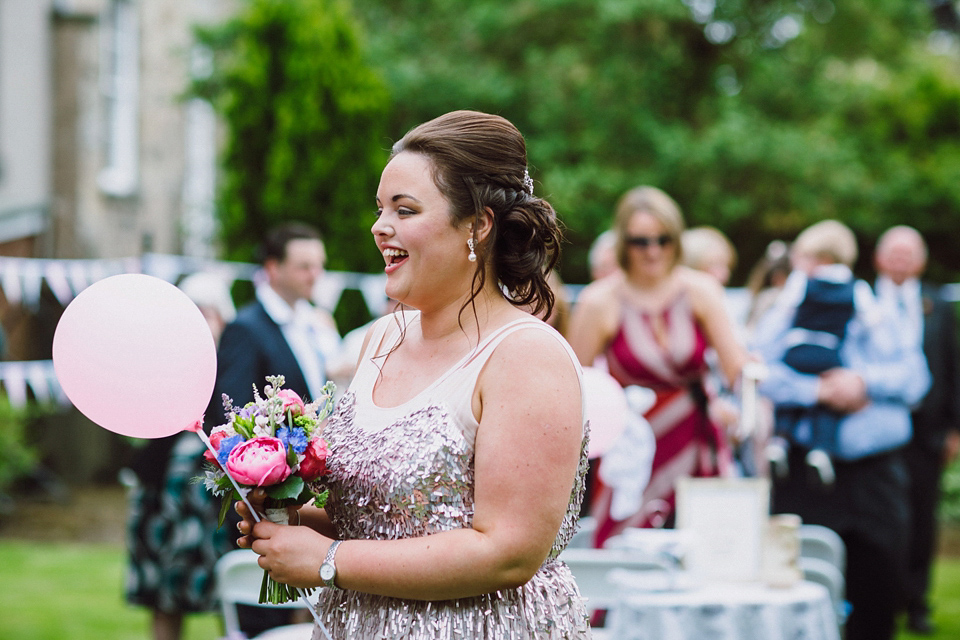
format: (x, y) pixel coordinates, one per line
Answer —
(759, 116)
(305, 115)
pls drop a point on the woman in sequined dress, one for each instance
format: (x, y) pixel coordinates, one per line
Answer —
(654, 327)
(457, 454)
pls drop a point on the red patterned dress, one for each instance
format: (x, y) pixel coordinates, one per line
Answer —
(665, 352)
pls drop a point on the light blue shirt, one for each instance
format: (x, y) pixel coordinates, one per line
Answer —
(894, 370)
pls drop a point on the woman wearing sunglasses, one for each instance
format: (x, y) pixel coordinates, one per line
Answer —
(654, 323)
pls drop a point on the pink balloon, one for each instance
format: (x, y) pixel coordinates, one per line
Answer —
(135, 355)
(606, 409)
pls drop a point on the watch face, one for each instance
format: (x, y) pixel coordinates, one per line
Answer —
(327, 572)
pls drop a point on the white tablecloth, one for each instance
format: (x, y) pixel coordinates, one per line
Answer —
(726, 612)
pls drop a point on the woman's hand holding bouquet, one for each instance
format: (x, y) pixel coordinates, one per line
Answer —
(273, 444)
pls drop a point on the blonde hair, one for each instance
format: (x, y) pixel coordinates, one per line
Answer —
(658, 204)
(829, 241)
(698, 242)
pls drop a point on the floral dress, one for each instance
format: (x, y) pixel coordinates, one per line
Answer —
(173, 541)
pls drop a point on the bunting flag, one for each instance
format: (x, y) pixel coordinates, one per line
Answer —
(22, 279)
(32, 380)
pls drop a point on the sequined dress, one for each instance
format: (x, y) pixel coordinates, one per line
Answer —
(408, 471)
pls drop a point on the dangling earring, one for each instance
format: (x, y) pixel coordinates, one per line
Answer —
(473, 256)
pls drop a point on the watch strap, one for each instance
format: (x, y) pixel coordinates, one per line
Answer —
(330, 560)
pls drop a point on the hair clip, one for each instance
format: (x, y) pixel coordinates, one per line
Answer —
(527, 182)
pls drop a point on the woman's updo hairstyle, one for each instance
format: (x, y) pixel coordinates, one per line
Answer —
(480, 160)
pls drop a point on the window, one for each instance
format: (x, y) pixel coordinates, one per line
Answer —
(119, 84)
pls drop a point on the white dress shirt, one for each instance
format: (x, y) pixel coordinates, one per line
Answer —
(313, 342)
(905, 303)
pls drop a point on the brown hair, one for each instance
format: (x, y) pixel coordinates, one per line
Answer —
(274, 244)
(659, 205)
(479, 161)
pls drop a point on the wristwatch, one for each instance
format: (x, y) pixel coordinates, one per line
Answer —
(328, 570)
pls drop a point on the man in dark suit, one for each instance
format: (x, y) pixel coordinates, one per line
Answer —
(280, 333)
(927, 319)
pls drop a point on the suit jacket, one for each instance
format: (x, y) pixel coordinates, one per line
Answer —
(251, 348)
(939, 412)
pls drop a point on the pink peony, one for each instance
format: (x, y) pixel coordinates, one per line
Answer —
(314, 463)
(259, 462)
(291, 402)
(215, 439)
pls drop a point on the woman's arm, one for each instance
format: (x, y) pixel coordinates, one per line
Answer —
(526, 458)
(318, 520)
(707, 297)
(594, 320)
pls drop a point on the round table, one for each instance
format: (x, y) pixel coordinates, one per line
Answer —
(745, 611)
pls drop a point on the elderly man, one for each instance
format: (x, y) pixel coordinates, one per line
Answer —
(926, 319)
(880, 378)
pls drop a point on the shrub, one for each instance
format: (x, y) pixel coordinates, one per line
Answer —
(950, 500)
(16, 457)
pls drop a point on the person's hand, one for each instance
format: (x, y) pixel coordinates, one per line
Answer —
(724, 413)
(842, 390)
(290, 554)
(257, 497)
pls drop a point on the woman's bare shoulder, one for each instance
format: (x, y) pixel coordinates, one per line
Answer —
(698, 283)
(532, 348)
(603, 291)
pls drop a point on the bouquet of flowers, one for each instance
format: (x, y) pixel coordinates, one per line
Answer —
(273, 442)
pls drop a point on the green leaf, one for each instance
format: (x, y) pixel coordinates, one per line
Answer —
(224, 484)
(291, 457)
(225, 504)
(321, 500)
(289, 489)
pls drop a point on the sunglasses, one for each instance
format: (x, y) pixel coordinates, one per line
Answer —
(647, 241)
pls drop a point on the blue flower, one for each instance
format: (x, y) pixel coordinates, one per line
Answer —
(296, 438)
(226, 446)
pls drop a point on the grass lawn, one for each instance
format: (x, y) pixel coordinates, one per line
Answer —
(52, 591)
(945, 601)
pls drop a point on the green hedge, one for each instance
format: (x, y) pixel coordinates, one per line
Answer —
(950, 501)
(16, 457)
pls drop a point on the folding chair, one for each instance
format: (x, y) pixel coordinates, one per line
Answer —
(583, 538)
(825, 573)
(238, 579)
(821, 542)
(592, 569)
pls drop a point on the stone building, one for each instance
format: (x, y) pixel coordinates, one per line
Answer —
(100, 156)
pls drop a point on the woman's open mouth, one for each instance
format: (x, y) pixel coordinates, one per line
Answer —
(394, 257)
